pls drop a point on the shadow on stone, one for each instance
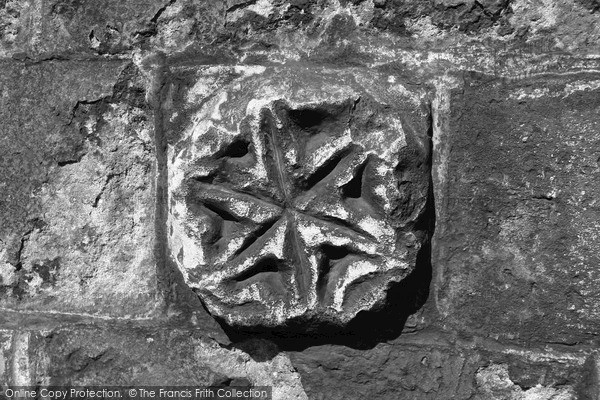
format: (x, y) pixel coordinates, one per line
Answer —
(368, 328)
(365, 331)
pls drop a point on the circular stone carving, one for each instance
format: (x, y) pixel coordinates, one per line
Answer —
(294, 196)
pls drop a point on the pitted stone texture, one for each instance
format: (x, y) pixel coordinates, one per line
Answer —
(431, 366)
(294, 193)
(386, 372)
(124, 354)
(77, 190)
(518, 229)
(5, 347)
(42, 28)
(494, 383)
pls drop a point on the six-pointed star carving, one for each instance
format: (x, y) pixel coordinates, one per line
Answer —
(294, 217)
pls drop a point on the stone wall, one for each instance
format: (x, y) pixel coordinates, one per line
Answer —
(490, 284)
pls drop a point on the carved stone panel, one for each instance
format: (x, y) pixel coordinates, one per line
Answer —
(296, 194)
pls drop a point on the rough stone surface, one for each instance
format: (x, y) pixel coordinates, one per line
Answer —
(350, 31)
(494, 382)
(5, 355)
(77, 203)
(519, 247)
(298, 193)
(425, 367)
(57, 28)
(385, 372)
(90, 355)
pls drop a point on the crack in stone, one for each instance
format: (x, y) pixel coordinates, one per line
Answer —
(161, 10)
(241, 5)
(24, 239)
(109, 178)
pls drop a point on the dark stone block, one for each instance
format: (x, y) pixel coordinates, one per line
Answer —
(519, 238)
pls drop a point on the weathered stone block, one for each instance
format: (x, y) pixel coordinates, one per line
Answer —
(519, 243)
(433, 366)
(46, 27)
(86, 355)
(385, 372)
(77, 189)
(297, 193)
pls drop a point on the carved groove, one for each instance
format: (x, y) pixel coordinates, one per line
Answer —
(308, 118)
(254, 236)
(221, 211)
(299, 258)
(353, 189)
(208, 179)
(273, 151)
(236, 149)
(330, 254)
(325, 170)
(343, 224)
(264, 265)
